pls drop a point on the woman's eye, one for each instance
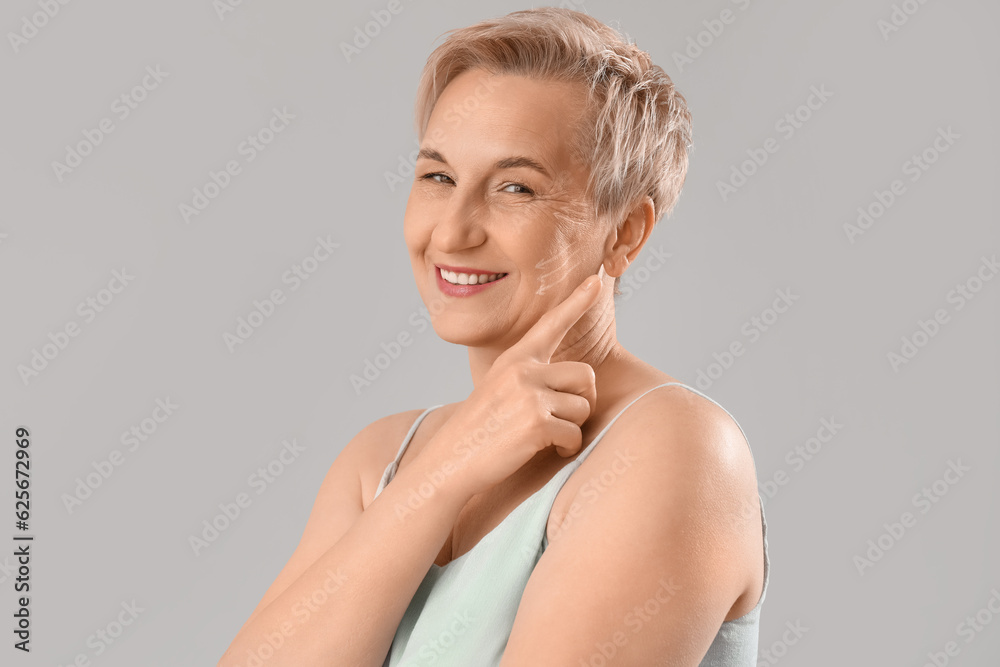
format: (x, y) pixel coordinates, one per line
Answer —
(525, 190)
(432, 175)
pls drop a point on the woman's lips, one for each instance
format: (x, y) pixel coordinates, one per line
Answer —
(462, 290)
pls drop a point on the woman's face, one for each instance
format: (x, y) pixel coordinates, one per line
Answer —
(496, 189)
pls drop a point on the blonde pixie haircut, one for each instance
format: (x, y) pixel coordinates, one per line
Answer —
(638, 129)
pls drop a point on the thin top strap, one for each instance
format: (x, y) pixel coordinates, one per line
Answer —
(566, 470)
(413, 429)
(593, 443)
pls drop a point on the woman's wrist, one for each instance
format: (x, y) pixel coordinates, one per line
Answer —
(438, 475)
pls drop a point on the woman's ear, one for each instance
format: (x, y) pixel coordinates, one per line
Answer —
(628, 238)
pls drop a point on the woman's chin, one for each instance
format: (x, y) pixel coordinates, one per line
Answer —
(469, 336)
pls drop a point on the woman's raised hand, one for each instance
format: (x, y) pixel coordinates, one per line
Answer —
(523, 404)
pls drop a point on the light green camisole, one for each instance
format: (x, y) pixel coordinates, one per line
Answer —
(462, 613)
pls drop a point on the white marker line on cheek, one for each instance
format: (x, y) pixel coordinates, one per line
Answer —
(559, 273)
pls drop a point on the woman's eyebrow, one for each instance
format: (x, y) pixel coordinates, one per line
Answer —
(520, 161)
(503, 163)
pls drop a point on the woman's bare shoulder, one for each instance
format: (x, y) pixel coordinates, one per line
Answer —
(379, 442)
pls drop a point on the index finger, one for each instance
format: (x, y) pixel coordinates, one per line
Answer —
(543, 338)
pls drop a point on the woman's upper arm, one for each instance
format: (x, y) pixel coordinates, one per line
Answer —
(339, 500)
(652, 561)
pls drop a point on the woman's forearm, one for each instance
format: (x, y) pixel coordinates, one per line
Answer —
(345, 608)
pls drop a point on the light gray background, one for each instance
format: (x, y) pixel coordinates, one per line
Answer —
(325, 175)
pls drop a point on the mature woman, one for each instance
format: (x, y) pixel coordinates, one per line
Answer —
(579, 507)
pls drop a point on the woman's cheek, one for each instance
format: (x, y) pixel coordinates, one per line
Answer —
(554, 265)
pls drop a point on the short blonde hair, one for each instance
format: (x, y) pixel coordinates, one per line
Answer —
(638, 132)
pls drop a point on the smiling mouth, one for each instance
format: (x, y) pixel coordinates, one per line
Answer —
(468, 278)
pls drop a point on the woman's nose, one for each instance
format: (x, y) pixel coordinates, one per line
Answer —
(458, 225)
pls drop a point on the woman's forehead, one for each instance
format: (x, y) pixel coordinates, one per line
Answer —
(522, 100)
(506, 117)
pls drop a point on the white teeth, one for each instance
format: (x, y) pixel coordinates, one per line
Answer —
(469, 279)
